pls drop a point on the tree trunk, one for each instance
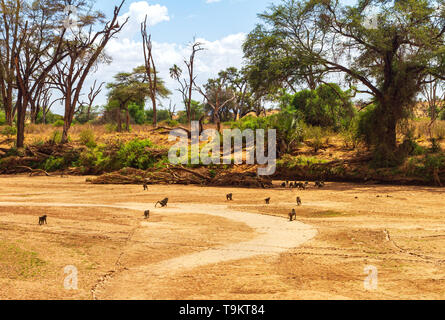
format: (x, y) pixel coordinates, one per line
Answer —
(127, 120)
(119, 121)
(155, 114)
(21, 113)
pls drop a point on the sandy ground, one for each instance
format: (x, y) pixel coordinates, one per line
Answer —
(203, 247)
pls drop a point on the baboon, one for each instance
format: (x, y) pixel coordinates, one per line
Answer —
(319, 184)
(283, 185)
(147, 214)
(306, 183)
(42, 220)
(229, 197)
(299, 201)
(163, 203)
(145, 186)
(291, 185)
(301, 186)
(293, 215)
(267, 200)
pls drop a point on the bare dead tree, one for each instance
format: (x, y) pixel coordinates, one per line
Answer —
(186, 85)
(171, 110)
(217, 88)
(150, 68)
(196, 47)
(92, 95)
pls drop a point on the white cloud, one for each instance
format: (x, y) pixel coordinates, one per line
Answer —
(138, 11)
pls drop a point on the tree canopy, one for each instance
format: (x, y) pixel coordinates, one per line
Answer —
(387, 49)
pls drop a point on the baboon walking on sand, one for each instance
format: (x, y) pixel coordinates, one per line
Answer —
(229, 197)
(163, 203)
(147, 214)
(42, 220)
(267, 201)
(293, 215)
(299, 201)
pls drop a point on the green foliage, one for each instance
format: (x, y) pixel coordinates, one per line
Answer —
(290, 162)
(87, 138)
(161, 115)
(137, 113)
(2, 118)
(366, 124)
(110, 128)
(327, 106)
(56, 137)
(53, 164)
(197, 110)
(289, 128)
(134, 154)
(8, 131)
(82, 115)
(58, 123)
(350, 135)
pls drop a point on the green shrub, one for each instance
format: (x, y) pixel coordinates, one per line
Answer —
(2, 118)
(134, 154)
(110, 128)
(56, 137)
(53, 164)
(9, 131)
(326, 106)
(58, 123)
(87, 138)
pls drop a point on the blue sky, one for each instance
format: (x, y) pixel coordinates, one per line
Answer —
(211, 21)
(220, 25)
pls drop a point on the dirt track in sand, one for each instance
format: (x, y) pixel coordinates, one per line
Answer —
(202, 247)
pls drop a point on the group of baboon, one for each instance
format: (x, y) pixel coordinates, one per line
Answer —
(293, 213)
(229, 197)
(163, 204)
(301, 185)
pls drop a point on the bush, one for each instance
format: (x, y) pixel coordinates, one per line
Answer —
(350, 135)
(58, 123)
(53, 164)
(327, 106)
(110, 128)
(134, 154)
(56, 137)
(87, 138)
(2, 118)
(9, 131)
(365, 126)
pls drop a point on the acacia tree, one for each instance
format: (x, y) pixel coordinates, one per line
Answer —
(132, 87)
(11, 19)
(389, 60)
(83, 52)
(39, 49)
